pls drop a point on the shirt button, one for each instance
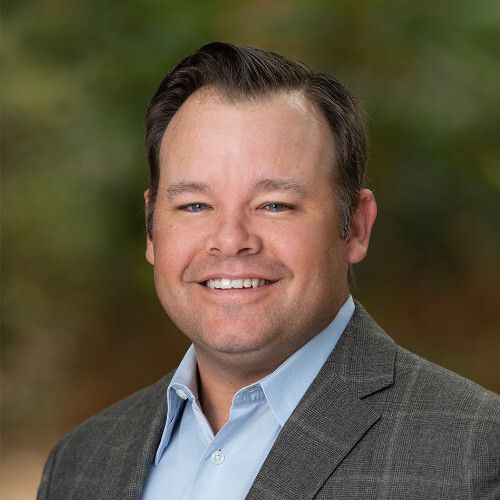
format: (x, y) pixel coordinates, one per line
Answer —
(217, 457)
(181, 394)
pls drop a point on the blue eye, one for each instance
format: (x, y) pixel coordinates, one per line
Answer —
(194, 207)
(277, 207)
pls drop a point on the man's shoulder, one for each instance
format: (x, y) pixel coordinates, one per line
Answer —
(117, 444)
(133, 410)
(370, 353)
(436, 432)
(426, 385)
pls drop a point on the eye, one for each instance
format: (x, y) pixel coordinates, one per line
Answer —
(277, 207)
(194, 207)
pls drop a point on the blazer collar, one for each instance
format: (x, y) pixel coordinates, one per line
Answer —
(332, 416)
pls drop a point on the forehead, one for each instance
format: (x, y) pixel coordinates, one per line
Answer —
(282, 132)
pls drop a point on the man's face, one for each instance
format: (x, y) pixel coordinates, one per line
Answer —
(245, 200)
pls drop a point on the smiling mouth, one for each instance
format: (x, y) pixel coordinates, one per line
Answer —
(227, 284)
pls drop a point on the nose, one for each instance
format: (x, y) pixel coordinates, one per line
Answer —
(232, 235)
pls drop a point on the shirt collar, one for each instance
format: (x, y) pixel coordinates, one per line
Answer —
(282, 388)
(183, 383)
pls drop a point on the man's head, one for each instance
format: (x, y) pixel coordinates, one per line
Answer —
(256, 210)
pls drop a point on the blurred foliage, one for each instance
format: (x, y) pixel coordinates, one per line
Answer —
(81, 324)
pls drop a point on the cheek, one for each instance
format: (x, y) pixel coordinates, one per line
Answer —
(173, 250)
(315, 254)
(299, 247)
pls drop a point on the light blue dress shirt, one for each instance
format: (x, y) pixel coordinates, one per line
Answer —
(192, 463)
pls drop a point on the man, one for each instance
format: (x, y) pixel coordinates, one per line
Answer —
(290, 390)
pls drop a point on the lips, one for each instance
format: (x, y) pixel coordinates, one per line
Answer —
(238, 274)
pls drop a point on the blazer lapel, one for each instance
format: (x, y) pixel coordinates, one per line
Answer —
(332, 416)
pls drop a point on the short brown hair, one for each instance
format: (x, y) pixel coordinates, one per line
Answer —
(240, 73)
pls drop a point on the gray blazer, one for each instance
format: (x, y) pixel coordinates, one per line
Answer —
(377, 422)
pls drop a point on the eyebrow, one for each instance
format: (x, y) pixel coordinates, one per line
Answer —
(186, 187)
(263, 185)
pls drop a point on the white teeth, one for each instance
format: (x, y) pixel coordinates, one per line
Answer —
(226, 284)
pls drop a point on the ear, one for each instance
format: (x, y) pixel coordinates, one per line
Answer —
(361, 227)
(150, 253)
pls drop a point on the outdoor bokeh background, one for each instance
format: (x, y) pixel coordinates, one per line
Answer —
(81, 326)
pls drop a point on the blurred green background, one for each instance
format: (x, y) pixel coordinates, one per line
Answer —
(81, 325)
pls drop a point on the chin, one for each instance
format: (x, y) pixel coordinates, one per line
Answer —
(228, 342)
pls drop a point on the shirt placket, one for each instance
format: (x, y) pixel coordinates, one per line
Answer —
(214, 454)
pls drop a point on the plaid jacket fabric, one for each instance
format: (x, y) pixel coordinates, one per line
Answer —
(377, 422)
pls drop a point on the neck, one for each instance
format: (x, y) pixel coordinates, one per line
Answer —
(217, 387)
(215, 401)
